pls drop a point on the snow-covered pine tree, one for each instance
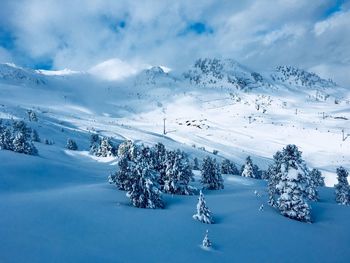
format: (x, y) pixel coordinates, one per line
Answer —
(35, 136)
(206, 243)
(203, 213)
(105, 149)
(210, 175)
(5, 137)
(32, 116)
(22, 145)
(71, 145)
(291, 202)
(123, 177)
(144, 192)
(257, 172)
(317, 177)
(147, 154)
(313, 180)
(228, 167)
(22, 139)
(94, 143)
(261, 208)
(292, 176)
(274, 176)
(311, 188)
(124, 148)
(159, 159)
(178, 174)
(195, 164)
(131, 150)
(247, 168)
(2, 129)
(135, 152)
(342, 189)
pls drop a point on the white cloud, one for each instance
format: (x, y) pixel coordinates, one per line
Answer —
(115, 69)
(260, 33)
(5, 56)
(338, 20)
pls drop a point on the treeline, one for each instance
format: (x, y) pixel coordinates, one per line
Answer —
(18, 137)
(147, 172)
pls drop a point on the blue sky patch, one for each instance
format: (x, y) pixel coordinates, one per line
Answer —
(198, 28)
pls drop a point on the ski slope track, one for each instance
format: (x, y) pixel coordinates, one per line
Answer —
(59, 207)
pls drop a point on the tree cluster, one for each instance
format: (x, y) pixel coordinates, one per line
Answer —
(18, 137)
(145, 172)
(291, 184)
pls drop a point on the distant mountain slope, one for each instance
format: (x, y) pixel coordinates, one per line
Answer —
(299, 77)
(223, 73)
(12, 73)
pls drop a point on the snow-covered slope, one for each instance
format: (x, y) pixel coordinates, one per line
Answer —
(14, 74)
(257, 119)
(300, 78)
(225, 73)
(59, 206)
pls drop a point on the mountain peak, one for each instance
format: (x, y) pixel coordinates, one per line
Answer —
(228, 73)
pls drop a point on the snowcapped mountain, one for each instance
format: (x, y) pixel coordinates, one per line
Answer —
(225, 73)
(14, 74)
(154, 76)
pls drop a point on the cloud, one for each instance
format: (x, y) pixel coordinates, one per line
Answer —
(80, 34)
(5, 56)
(115, 69)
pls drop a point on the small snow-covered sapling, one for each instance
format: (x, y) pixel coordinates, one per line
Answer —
(206, 243)
(203, 213)
(261, 207)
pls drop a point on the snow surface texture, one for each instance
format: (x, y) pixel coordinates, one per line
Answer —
(58, 206)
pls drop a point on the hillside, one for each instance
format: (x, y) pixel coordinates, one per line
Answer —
(59, 207)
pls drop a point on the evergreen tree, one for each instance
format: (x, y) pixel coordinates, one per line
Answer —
(35, 136)
(211, 177)
(257, 172)
(32, 116)
(144, 192)
(313, 180)
(206, 242)
(274, 175)
(123, 177)
(130, 149)
(124, 148)
(178, 174)
(94, 143)
(203, 213)
(159, 161)
(342, 189)
(247, 168)
(147, 154)
(317, 177)
(195, 164)
(105, 149)
(21, 142)
(71, 145)
(288, 181)
(22, 145)
(291, 202)
(311, 189)
(6, 139)
(228, 167)
(2, 129)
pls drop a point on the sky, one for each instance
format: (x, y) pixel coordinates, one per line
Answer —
(126, 36)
